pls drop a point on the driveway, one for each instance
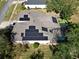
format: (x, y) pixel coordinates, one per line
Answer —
(4, 10)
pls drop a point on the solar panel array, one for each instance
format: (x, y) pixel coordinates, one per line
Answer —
(33, 34)
(25, 18)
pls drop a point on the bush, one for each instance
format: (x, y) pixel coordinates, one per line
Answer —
(5, 44)
(26, 46)
(66, 8)
(23, 7)
(37, 55)
(36, 45)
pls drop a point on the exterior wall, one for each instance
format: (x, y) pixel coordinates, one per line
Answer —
(35, 6)
(31, 42)
(41, 42)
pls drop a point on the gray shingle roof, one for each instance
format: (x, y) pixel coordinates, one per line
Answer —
(34, 2)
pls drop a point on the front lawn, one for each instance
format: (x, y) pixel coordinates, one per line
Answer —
(20, 8)
(9, 12)
(2, 2)
(24, 53)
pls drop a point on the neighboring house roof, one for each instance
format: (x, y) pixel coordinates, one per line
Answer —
(35, 2)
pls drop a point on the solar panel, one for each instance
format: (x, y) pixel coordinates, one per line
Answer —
(44, 29)
(35, 38)
(40, 34)
(32, 27)
(25, 16)
(21, 19)
(54, 19)
(33, 34)
(26, 19)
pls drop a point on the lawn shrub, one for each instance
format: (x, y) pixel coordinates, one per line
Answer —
(37, 55)
(26, 46)
(36, 45)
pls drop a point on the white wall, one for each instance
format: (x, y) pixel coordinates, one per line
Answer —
(31, 42)
(41, 42)
(35, 6)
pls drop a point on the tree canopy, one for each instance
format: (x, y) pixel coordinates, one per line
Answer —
(5, 43)
(66, 8)
(70, 49)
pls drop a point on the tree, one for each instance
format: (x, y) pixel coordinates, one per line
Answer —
(66, 8)
(73, 38)
(37, 55)
(5, 46)
(66, 12)
(69, 49)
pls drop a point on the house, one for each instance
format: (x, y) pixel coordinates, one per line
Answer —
(35, 27)
(35, 3)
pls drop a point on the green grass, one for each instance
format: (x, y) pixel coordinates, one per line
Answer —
(36, 45)
(2, 2)
(22, 53)
(8, 13)
(18, 10)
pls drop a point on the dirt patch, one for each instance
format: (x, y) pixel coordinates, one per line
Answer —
(75, 18)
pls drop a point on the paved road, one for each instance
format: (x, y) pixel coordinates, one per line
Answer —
(4, 10)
